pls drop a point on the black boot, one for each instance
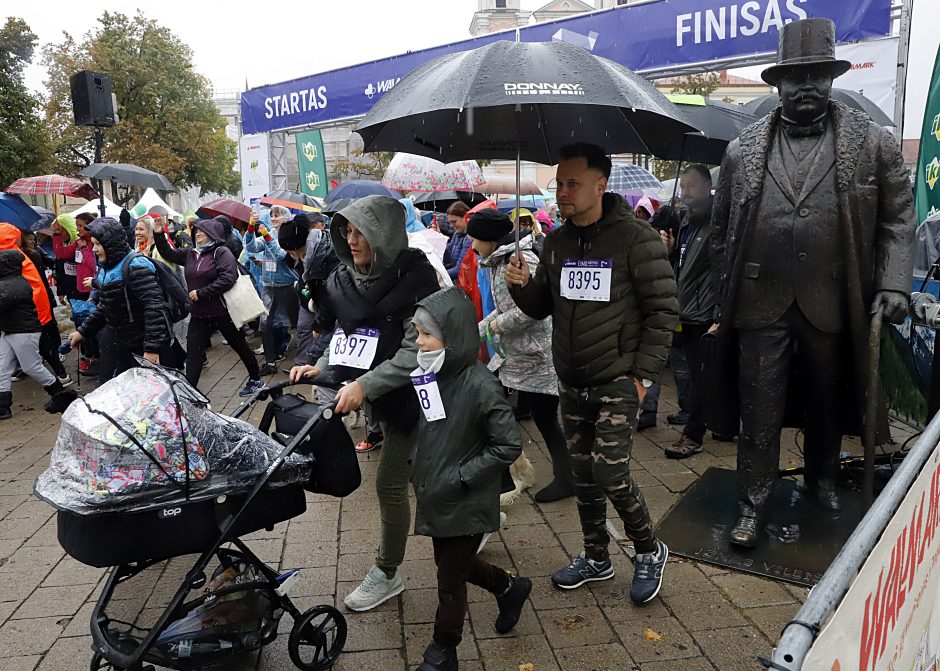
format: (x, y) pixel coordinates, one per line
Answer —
(60, 398)
(556, 490)
(744, 533)
(6, 400)
(825, 495)
(510, 604)
(439, 658)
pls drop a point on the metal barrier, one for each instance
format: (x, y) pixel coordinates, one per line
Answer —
(799, 635)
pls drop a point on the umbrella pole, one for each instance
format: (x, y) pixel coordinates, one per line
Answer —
(518, 178)
(99, 139)
(675, 187)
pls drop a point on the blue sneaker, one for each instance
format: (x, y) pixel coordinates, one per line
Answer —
(583, 570)
(648, 574)
(251, 387)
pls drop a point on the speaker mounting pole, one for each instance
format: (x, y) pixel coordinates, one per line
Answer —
(99, 139)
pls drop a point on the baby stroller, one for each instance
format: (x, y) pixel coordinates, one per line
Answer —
(148, 480)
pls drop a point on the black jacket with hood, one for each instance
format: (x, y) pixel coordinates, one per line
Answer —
(458, 460)
(137, 317)
(17, 310)
(381, 297)
(209, 272)
(697, 295)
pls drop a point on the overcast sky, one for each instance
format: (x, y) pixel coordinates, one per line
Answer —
(273, 41)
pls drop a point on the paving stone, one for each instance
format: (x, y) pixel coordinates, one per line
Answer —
(696, 664)
(704, 611)
(676, 643)
(594, 658)
(27, 663)
(613, 597)
(80, 623)
(418, 547)
(71, 572)
(375, 630)
(354, 566)
(747, 591)
(315, 582)
(735, 649)
(564, 521)
(538, 562)
(684, 577)
(370, 660)
(772, 619)
(529, 535)
(48, 601)
(419, 574)
(29, 637)
(545, 596)
(574, 626)
(357, 541)
(419, 606)
(312, 555)
(507, 654)
(67, 654)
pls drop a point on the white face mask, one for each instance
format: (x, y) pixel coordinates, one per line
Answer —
(431, 362)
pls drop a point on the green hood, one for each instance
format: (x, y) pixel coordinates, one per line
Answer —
(453, 311)
(381, 219)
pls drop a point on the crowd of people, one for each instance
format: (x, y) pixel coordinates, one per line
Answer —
(570, 327)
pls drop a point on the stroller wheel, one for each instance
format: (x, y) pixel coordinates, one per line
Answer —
(99, 663)
(317, 639)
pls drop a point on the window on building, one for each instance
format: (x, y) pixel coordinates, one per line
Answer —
(500, 4)
(623, 2)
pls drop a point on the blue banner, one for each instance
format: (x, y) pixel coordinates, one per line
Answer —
(648, 36)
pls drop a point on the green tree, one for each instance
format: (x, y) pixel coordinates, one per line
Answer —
(700, 84)
(168, 122)
(25, 148)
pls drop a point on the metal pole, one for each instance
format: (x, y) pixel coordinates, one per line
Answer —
(99, 139)
(798, 636)
(871, 405)
(904, 51)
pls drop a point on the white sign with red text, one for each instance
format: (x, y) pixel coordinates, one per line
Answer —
(874, 71)
(890, 617)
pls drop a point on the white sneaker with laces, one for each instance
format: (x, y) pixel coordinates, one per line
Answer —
(376, 589)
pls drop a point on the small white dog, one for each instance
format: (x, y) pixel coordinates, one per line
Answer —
(523, 477)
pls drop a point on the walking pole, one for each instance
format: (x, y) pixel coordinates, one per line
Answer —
(871, 405)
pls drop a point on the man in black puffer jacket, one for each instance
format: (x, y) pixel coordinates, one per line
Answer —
(131, 307)
(19, 344)
(605, 280)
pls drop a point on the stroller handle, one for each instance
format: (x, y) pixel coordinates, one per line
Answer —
(327, 380)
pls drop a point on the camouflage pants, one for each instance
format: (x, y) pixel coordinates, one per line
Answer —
(599, 423)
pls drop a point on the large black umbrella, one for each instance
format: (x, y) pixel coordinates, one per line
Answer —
(522, 100)
(129, 174)
(718, 122)
(529, 99)
(767, 104)
(439, 201)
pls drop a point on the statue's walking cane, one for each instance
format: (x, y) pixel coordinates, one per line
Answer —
(871, 405)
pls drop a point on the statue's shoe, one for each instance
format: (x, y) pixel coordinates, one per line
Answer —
(744, 533)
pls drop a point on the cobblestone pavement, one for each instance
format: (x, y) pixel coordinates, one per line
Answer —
(707, 618)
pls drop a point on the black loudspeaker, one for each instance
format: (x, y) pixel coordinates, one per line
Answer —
(92, 101)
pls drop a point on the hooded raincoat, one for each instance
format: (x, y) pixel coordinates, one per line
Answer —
(9, 239)
(523, 356)
(210, 272)
(381, 297)
(458, 460)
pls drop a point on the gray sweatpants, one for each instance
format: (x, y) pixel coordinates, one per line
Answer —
(304, 336)
(22, 349)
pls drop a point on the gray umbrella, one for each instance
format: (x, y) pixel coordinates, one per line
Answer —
(766, 104)
(129, 174)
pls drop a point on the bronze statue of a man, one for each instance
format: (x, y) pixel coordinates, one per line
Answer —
(813, 226)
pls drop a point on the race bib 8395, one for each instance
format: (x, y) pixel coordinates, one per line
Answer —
(587, 280)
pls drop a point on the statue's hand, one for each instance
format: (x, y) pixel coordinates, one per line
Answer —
(894, 304)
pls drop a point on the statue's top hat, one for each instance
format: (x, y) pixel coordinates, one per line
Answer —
(806, 43)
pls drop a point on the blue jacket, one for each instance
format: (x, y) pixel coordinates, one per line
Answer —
(412, 223)
(282, 274)
(456, 249)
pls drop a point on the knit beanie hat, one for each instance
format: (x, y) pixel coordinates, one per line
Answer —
(426, 321)
(293, 234)
(489, 225)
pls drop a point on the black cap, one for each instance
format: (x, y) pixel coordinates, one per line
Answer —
(489, 225)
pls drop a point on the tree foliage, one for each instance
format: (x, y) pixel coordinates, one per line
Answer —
(368, 165)
(25, 148)
(700, 84)
(168, 122)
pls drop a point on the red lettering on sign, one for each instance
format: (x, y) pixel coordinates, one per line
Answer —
(872, 626)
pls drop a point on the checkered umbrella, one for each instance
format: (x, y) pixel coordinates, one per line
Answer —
(45, 184)
(627, 177)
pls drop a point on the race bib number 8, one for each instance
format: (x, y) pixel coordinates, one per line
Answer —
(357, 350)
(586, 280)
(429, 396)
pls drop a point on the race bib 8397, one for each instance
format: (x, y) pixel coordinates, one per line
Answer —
(356, 350)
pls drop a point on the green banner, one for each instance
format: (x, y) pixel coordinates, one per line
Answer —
(311, 164)
(928, 162)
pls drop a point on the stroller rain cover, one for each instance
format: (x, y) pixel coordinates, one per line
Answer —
(147, 439)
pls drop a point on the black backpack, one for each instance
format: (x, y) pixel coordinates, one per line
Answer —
(175, 298)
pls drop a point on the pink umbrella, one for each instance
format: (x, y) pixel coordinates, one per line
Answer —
(230, 208)
(408, 172)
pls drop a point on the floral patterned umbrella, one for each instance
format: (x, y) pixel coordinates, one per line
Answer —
(408, 172)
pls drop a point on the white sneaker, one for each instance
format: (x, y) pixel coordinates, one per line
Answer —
(502, 522)
(259, 350)
(376, 589)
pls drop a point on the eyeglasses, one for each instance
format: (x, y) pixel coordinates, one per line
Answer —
(346, 232)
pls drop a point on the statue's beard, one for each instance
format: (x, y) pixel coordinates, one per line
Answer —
(805, 107)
